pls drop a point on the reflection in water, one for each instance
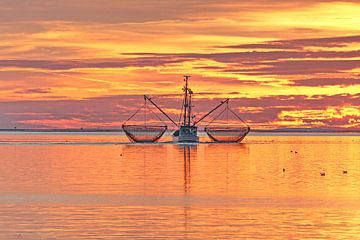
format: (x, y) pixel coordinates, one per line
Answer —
(188, 150)
(219, 191)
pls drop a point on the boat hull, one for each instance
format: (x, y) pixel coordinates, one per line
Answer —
(186, 134)
(185, 139)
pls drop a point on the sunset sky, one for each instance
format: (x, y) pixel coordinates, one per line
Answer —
(72, 64)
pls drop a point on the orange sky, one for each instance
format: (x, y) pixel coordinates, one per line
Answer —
(86, 63)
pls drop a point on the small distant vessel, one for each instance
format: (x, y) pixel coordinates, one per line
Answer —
(186, 127)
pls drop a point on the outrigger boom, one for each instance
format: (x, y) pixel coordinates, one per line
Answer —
(149, 99)
(226, 101)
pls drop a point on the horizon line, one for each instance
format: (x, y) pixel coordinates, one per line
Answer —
(288, 130)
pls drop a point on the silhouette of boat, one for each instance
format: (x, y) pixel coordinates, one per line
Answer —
(187, 127)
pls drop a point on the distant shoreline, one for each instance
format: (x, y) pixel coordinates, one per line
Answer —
(307, 131)
(120, 130)
(61, 130)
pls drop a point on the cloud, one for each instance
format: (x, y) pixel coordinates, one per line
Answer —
(112, 11)
(319, 82)
(300, 67)
(45, 51)
(34, 90)
(53, 50)
(251, 63)
(255, 56)
(111, 111)
(300, 44)
(133, 11)
(92, 63)
(273, 62)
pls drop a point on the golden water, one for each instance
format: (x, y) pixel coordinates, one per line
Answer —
(96, 187)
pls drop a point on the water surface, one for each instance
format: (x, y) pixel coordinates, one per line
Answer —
(94, 186)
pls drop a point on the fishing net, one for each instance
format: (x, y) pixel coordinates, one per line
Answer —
(227, 133)
(144, 133)
(143, 126)
(227, 126)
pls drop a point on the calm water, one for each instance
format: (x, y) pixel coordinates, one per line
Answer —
(93, 186)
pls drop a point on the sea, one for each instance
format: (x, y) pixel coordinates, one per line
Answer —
(97, 185)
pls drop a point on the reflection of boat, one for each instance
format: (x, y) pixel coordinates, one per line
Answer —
(187, 150)
(151, 131)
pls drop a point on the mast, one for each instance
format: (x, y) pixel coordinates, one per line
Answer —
(186, 102)
(190, 106)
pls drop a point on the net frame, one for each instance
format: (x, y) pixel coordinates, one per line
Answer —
(236, 134)
(130, 131)
(230, 133)
(150, 132)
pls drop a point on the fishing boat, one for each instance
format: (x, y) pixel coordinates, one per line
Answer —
(186, 128)
(187, 131)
